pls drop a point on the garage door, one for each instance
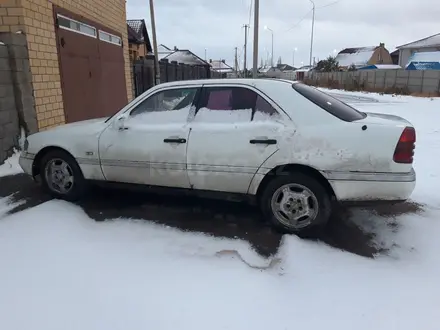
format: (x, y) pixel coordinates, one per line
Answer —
(91, 65)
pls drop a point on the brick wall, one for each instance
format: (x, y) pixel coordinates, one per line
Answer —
(36, 18)
(11, 16)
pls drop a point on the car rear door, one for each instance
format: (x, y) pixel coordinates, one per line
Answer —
(234, 130)
(151, 147)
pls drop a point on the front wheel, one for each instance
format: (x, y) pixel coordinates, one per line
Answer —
(296, 203)
(62, 176)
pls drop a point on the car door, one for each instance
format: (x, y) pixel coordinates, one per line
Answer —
(234, 130)
(150, 148)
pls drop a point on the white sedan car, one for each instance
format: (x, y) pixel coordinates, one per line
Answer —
(291, 148)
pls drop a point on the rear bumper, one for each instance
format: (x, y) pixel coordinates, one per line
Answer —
(364, 187)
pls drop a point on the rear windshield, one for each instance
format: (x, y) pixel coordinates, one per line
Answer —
(330, 104)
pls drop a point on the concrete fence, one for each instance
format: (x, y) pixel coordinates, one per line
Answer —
(17, 108)
(408, 81)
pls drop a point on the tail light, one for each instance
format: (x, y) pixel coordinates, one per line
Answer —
(404, 152)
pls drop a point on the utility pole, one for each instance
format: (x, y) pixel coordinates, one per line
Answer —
(313, 26)
(156, 53)
(256, 27)
(246, 26)
(236, 61)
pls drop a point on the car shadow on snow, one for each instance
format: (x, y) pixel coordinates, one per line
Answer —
(213, 217)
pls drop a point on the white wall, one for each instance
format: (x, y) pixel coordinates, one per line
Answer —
(405, 54)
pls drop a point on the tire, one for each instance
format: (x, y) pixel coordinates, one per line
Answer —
(318, 204)
(75, 188)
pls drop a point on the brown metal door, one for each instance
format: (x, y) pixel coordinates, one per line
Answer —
(92, 71)
(112, 86)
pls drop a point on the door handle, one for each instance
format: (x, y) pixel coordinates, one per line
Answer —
(265, 141)
(174, 140)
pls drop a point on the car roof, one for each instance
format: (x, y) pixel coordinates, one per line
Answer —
(227, 81)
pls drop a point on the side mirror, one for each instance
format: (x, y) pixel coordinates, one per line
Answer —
(120, 122)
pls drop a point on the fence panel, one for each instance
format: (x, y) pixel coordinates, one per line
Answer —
(143, 73)
(400, 81)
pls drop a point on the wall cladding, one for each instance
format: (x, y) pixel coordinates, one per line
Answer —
(17, 108)
(9, 127)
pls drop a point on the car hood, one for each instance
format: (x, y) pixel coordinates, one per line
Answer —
(91, 126)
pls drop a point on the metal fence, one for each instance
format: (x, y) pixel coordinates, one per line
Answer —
(143, 73)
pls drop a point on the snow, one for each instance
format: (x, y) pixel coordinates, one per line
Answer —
(11, 166)
(186, 57)
(205, 115)
(62, 270)
(382, 67)
(424, 57)
(359, 58)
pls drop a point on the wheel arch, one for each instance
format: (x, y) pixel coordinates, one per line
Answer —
(296, 168)
(39, 156)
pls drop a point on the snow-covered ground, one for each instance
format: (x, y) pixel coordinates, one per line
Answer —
(62, 270)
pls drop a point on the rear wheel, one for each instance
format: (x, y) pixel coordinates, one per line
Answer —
(296, 203)
(61, 176)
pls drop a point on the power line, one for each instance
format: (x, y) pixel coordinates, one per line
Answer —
(300, 21)
(307, 14)
(329, 4)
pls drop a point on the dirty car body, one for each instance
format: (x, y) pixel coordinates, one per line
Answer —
(238, 136)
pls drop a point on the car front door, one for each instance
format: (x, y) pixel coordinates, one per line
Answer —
(234, 131)
(150, 147)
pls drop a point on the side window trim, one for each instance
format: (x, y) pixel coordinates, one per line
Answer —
(274, 105)
(205, 88)
(149, 96)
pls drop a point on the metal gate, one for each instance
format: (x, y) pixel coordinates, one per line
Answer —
(92, 67)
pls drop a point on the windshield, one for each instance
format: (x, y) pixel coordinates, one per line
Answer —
(330, 104)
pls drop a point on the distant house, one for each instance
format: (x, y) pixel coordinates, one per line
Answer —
(285, 67)
(139, 43)
(270, 72)
(424, 61)
(363, 56)
(395, 57)
(164, 51)
(428, 44)
(220, 66)
(185, 56)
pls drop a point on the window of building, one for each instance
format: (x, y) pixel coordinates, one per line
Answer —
(110, 38)
(76, 26)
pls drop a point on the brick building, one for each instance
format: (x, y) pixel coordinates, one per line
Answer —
(77, 55)
(138, 39)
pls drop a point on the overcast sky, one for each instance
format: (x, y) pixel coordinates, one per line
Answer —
(217, 25)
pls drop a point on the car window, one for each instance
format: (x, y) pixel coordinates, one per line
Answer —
(264, 110)
(330, 104)
(226, 104)
(166, 104)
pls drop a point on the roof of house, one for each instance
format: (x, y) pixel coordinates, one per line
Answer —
(220, 66)
(381, 67)
(424, 61)
(137, 32)
(358, 56)
(185, 56)
(431, 41)
(163, 51)
(285, 67)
